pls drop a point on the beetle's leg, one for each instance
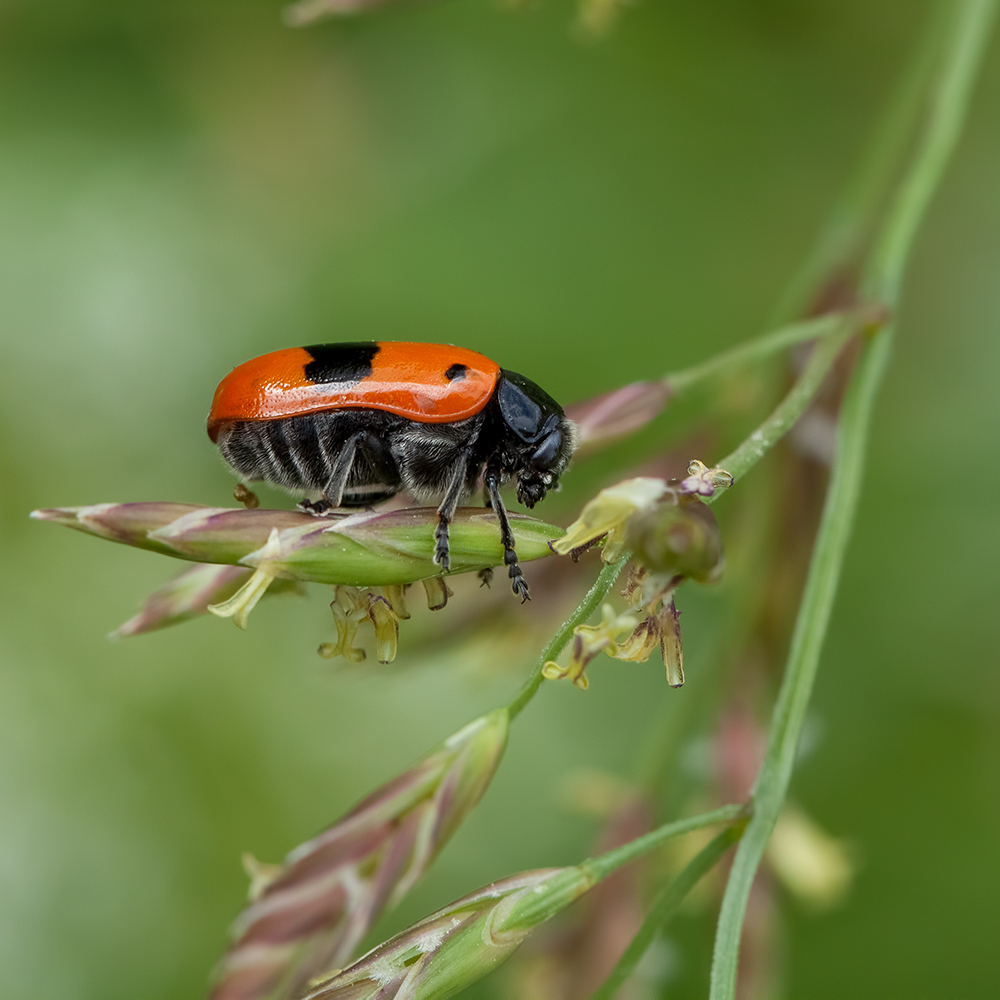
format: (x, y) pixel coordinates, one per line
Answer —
(333, 492)
(517, 581)
(448, 506)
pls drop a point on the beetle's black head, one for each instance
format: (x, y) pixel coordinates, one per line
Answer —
(538, 438)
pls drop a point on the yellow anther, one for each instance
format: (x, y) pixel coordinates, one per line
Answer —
(239, 606)
(386, 627)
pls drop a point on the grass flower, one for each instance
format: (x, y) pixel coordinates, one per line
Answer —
(384, 550)
(449, 950)
(571, 961)
(349, 609)
(607, 514)
(308, 915)
(672, 536)
(190, 594)
(588, 642)
(457, 945)
(703, 481)
(380, 548)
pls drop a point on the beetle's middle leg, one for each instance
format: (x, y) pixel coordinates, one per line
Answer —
(448, 506)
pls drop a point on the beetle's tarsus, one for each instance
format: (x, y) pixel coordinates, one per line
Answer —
(316, 507)
(441, 550)
(518, 584)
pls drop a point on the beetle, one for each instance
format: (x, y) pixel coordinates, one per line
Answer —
(359, 422)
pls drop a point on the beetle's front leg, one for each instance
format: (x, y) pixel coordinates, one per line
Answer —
(518, 584)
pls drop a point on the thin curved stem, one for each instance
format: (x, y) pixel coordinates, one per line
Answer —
(604, 582)
(754, 350)
(850, 224)
(739, 462)
(949, 100)
(604, 864)
(666, 906)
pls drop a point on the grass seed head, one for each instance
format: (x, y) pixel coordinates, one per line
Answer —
(444, 953)
(308, 915)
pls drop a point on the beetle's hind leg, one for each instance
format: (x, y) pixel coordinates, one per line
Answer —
(518, 584)
(333, 492)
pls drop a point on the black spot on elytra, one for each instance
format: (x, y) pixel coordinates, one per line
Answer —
(455, 371)
(340, 363)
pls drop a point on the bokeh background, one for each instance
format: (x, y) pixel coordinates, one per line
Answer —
(185, 185)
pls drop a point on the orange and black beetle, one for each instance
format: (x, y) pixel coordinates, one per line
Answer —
(362, 421)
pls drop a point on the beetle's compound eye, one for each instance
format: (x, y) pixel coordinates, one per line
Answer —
(547, 453)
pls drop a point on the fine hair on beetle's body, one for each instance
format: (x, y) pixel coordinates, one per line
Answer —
(357, 456)
(299, 454)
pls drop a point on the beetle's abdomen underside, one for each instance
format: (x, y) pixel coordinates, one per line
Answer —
(299, 453)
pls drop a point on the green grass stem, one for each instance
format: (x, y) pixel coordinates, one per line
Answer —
(962, 54)
(604, 864)
(807, 642)
(948, 103)
(739, 462)
(591, 602)
(665, 906)
(849, 227)
(754, 350)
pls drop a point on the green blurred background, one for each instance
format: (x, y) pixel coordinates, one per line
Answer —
(185, 185)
